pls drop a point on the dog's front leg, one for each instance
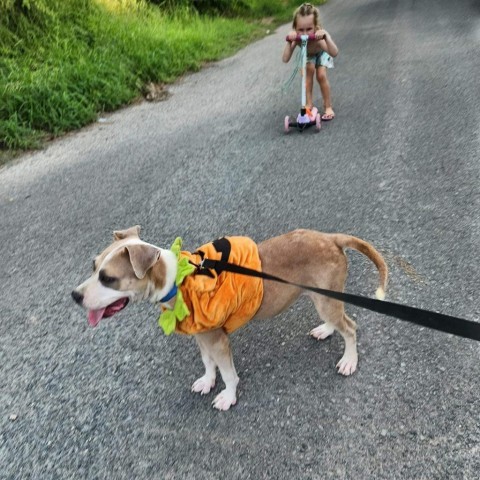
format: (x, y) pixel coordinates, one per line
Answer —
(204, 384)
(215, 350)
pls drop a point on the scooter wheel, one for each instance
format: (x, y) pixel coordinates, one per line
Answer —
(318, 122)
(287, 124)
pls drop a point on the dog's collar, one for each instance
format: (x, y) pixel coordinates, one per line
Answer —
(170, 294)
(169, 318)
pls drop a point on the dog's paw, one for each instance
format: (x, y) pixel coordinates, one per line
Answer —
(322, 332)
(224, 400)
(347, 365)
(203, 385)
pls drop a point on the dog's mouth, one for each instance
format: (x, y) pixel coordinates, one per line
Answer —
(94, 316)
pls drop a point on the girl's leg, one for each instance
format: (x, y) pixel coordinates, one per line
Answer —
(325, 89)
(309, 84)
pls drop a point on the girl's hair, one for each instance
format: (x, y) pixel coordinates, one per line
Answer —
(304, 10)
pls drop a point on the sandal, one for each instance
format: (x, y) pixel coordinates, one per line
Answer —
(326, 117)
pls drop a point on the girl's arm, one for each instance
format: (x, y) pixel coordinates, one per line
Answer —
(326, 43)
(289, 47)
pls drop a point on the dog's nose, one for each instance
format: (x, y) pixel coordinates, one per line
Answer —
(78, 297)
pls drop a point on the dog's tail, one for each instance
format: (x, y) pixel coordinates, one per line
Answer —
(347, 241)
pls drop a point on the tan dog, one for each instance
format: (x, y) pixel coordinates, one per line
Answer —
(133, 270)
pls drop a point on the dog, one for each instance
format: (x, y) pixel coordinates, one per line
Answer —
(131, 270)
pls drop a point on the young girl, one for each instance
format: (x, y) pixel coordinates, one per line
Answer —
(319, 55)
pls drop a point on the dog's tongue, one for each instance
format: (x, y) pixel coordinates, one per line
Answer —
(94, 316)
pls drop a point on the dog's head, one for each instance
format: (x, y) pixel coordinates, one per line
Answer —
(127, 270)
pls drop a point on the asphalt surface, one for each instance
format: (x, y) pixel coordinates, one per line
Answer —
(399, 167)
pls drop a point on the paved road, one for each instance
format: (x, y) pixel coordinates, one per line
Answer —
(399, 166)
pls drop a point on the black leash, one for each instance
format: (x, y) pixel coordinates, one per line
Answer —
(437, 321)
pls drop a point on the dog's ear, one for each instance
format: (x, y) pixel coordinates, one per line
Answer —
(143, 257)
(129, 232)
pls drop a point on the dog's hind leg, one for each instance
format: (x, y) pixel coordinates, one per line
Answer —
(332, 312)
(348, 363)
(215, 345)
(204, 384)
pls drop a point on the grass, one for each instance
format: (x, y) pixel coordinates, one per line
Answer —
(63, 62)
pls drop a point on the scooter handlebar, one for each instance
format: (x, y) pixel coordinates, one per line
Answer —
(301, 37)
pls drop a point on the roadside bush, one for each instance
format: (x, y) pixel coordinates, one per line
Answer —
(62, 62)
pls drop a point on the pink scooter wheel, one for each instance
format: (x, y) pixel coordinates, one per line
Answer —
(318, 122)
(287, 124)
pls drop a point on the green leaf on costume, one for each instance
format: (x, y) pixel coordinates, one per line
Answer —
(176, 246)
(180, 309)
(184, 268)
(167, 322)
(168, 319)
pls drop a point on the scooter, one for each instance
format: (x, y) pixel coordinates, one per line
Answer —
(306, 118)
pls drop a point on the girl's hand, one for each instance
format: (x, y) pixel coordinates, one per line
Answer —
(321, 34)
(292, 36)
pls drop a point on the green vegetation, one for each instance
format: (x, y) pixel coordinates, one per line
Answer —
(62, 62)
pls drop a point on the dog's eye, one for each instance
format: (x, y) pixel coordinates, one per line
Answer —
(106, 279)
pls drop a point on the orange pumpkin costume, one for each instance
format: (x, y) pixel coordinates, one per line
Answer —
(222, 300)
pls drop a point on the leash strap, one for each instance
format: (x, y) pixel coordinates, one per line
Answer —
(437, 321)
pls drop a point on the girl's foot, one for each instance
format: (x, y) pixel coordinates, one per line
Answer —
(328, 115)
